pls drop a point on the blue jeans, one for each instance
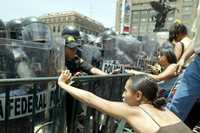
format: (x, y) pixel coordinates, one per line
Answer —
(174, 88)
(188, 92)
(167, 86)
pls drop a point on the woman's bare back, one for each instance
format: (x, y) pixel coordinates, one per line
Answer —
(152, 120)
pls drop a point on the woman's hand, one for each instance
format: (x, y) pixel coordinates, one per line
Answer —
(65, 77)
(134, 72)
(155, 69)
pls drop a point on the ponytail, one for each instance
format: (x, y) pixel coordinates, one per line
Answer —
(159, 103)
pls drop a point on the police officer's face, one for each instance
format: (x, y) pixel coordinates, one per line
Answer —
(70, 53)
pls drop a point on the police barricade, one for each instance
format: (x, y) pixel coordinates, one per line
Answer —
(88, 120)
(26, 106)
(35, 111)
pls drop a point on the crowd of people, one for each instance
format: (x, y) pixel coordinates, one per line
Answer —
(163, 101)
(179, 59)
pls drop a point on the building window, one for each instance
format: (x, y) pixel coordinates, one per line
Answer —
(58, 28)
(54, 28)
(135, 16)
(57, 20)
(144, 14)
(186, 17)
(188, 2)
(187, 10)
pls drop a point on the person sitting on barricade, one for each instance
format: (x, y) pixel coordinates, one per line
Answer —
(187, 94)
(167, 77)
(178, 36)
(140, 105)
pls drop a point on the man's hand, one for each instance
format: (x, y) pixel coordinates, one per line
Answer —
(65, 77)
(180, 65)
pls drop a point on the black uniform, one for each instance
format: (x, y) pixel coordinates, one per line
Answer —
(76, 65)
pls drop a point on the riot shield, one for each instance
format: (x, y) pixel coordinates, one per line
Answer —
(91, 54)
(129, 52)
(27, 106)
(32, 59)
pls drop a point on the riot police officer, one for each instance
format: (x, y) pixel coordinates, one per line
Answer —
(11, 59)
(72, 61)
(14, 32)
(75, 64)
(6, 57)
(25, 62)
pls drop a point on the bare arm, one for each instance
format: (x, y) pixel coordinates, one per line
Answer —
(97, 71)
(169, 72)
(114, 109)
(189, 52)
(178, 50)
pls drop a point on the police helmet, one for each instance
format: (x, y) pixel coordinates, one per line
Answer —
(14, 28)
(29, 29)
(106, 35)
(35, 30)
(70, 34)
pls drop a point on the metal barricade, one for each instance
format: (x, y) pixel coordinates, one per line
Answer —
(88, 120)
(36, 105)
(31, 106)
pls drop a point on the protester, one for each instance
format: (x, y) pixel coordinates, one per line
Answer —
(167, 77)
(178, 36)
(140, 105)
(188, 92)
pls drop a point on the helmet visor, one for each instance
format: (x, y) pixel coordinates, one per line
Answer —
(36, 32)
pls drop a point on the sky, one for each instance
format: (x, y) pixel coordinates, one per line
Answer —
(101, 10)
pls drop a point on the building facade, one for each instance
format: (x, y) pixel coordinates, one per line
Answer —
(57, 22)
(140, 20)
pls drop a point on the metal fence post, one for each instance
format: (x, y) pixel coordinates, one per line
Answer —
(34, 106)
(7, 108)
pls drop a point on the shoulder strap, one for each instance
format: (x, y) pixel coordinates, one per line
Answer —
(182, 51)
(150, 116)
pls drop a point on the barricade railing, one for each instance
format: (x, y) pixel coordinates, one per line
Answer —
(42, 107)
(87, 120)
